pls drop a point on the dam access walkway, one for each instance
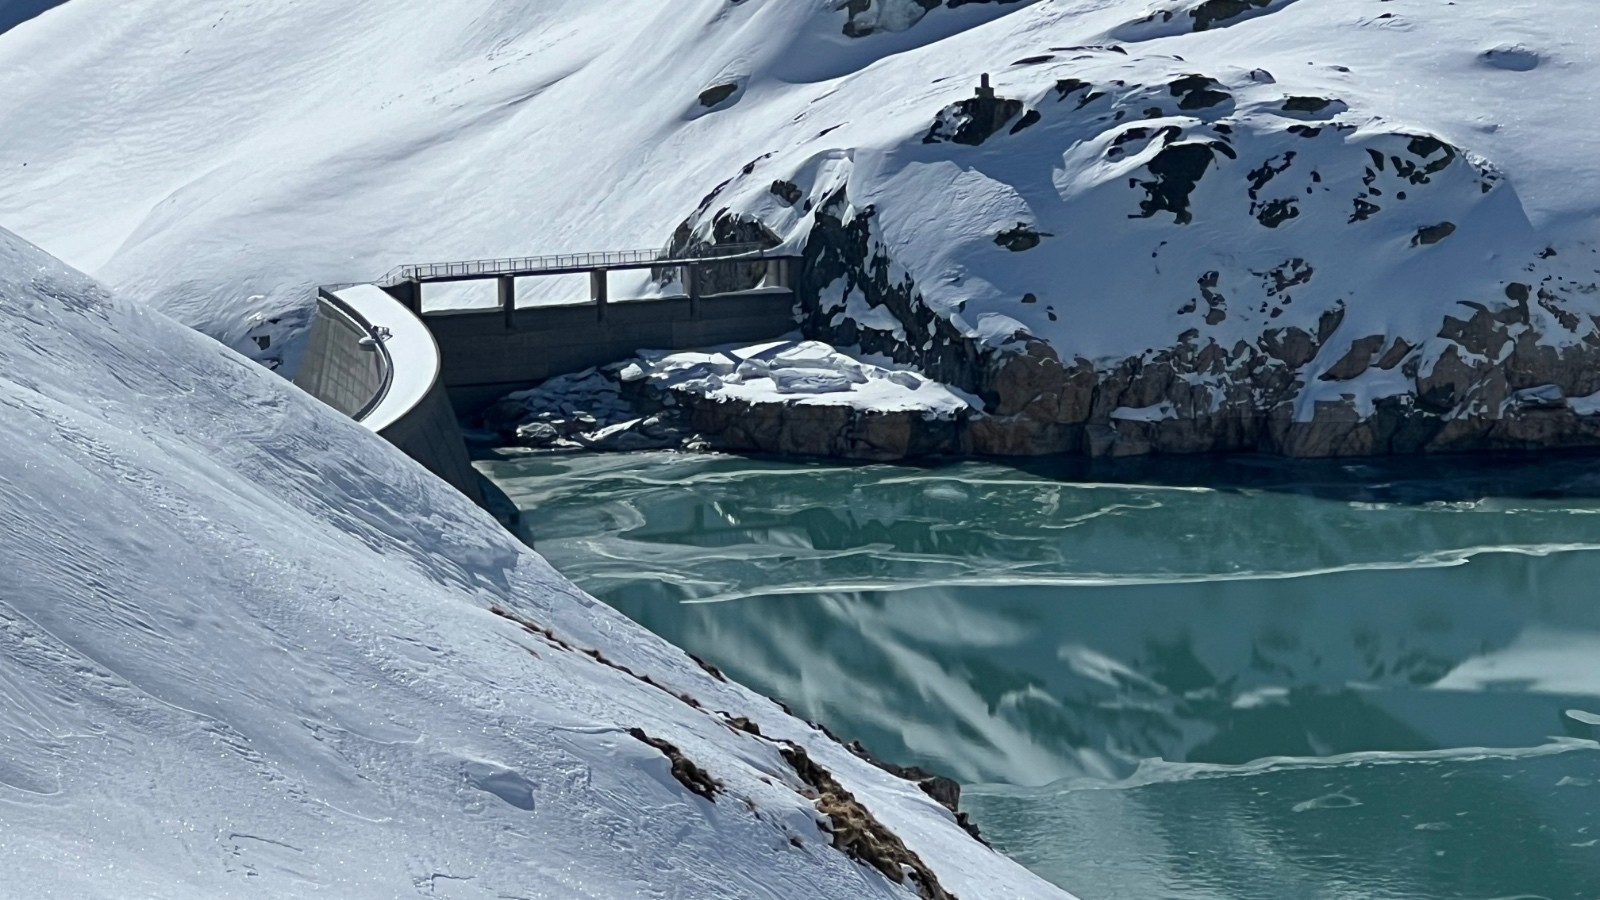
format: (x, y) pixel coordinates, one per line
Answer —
(716, 295)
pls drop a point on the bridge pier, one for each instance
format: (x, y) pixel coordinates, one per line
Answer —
(691, 284)
(779, 272)
(599, 291)
(508, 301)
(409, 293)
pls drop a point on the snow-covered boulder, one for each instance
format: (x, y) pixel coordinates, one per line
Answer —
(785, 397)
(247, 649)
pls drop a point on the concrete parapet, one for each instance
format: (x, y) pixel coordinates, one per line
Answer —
(371, 359)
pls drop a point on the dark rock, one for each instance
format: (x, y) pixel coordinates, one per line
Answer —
(858, 833)
(972, 121)
(1395, 354)
(1199, 92)
(1212, 13)
(1177, 169)
(721, 277)
(1020, 237)
(1357, 359)
(1031, 117)
(1306, 104)
(1276, 212)
(840, 432)
(1294, 346)
(684, 770)
(1432, 234)
(714, 95)
(787, 191)
(1066, 87)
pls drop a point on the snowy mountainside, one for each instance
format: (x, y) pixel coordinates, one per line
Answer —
(249, 649)
(1315, 226)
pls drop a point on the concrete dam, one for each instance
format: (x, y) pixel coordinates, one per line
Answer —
(379, 355)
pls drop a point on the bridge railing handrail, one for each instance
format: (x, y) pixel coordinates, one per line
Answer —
(596, 260)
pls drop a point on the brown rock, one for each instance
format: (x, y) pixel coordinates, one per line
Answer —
(1357, 359)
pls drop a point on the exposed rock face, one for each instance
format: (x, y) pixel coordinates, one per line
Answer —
(1489, 379)
(836, 431)
(726, 228)
(858, 833)
(844, 259)
(873, 16)
(976, 119)
(1195, 15)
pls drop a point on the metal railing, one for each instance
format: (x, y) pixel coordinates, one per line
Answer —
(575, 262)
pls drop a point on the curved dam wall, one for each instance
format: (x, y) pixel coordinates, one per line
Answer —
(372, 360)
(336, 369)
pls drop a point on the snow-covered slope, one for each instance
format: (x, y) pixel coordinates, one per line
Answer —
(249, 649)
(1197, 224)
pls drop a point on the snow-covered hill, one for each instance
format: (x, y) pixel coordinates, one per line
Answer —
(1319, 226)
(247, 649)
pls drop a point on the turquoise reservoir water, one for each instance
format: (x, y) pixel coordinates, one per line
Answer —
(1175, 678)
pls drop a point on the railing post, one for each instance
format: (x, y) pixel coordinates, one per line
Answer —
(599, 290)
(508, 301)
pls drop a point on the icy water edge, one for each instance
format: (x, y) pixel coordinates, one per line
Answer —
(1192, 679)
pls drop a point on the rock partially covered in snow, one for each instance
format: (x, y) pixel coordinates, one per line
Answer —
(589, 410)
(791, 397)
(807, 398)
(1185, 253)
(802, 372)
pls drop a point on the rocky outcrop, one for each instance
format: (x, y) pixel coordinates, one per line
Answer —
(858, 833)
(837, 431)
(977, 118)
(1520, 373)
(1290, 273)
(801, 402)
(866, 17)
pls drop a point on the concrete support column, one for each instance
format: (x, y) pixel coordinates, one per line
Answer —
(691, 283)
(508, 301)
(599, 291)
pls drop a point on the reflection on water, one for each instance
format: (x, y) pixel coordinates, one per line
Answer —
(1049, 629)
(1450, 825)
